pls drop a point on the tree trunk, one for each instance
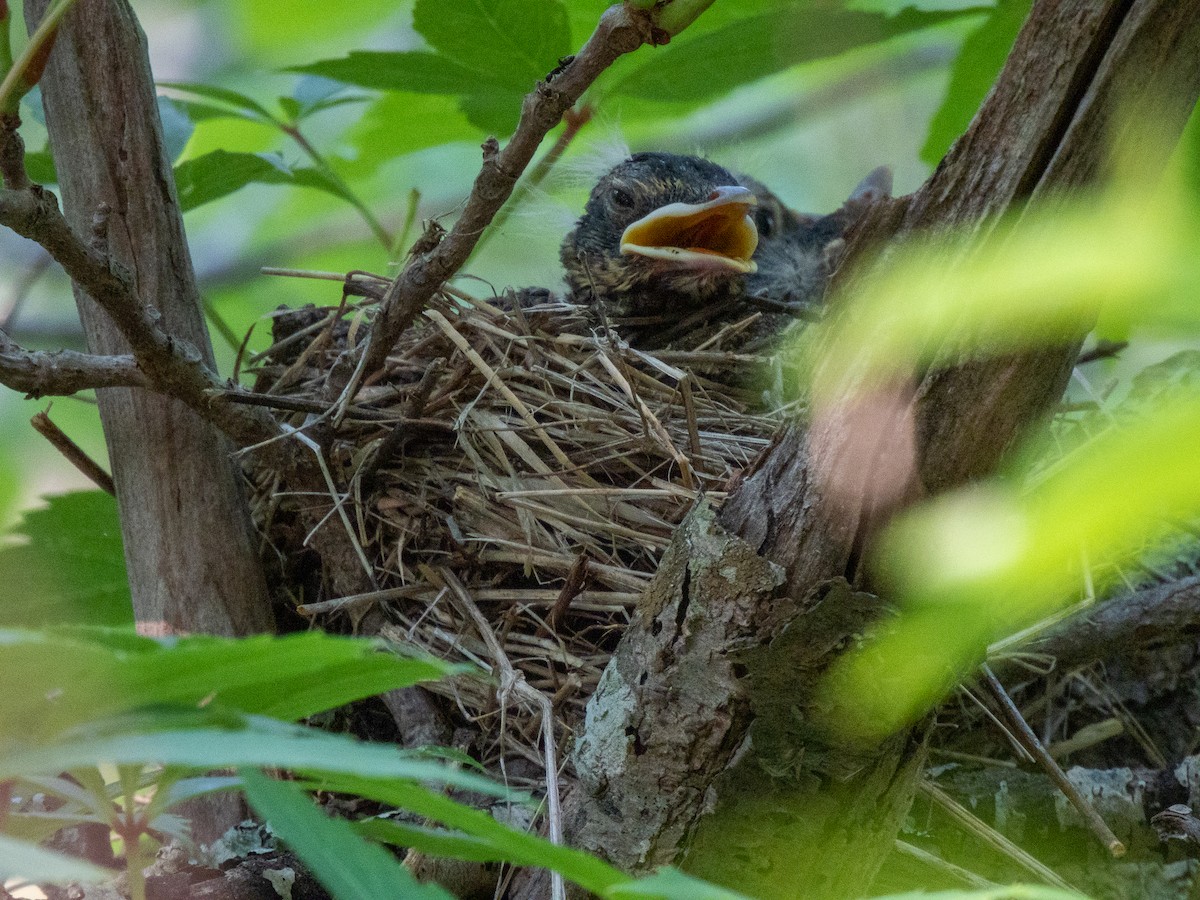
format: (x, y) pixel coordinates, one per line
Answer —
(762, 798)
(191, 557)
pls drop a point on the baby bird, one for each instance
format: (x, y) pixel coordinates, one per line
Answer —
(668, 243)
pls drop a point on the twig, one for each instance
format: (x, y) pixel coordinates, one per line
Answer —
(946, 868)
(74, 454)
(980, 829)
(1020, 728)
(621, 30)
(575, 120)
(40, 373)
(512, 681)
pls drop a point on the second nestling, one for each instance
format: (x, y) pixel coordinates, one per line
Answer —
(673, 246)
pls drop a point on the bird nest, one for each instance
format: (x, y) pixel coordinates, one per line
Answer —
(512, 481)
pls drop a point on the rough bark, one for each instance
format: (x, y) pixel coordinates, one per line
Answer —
(191, 558)
(761, 759)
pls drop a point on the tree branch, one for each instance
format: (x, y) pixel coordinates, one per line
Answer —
(622, 29)
(59, 373)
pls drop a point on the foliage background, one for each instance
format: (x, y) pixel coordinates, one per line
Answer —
(810, 131)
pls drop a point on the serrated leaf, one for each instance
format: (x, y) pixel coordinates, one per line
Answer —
(516, 42)
(71, 570)
(349, 867)
(751, 48)
(30, 862)
(976, 67)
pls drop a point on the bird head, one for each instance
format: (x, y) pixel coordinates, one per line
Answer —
(661, 228)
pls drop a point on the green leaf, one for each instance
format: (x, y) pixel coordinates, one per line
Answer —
(214, 175)
(399, 123)
(39, 167)
(751, 48)
(109, 673)
(516, 42)
(255, 741)
(671, 884)
(30, 862)
(217, 174)
(418, 71)
(177, 126)
(1006, 892)
(72, 568)
(978, 63)
(342, 861)
(237, 103)
(488, 835)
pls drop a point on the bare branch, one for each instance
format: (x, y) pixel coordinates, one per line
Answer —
(621, 30)
(59, 373)
(74, 454)
(1125, 626)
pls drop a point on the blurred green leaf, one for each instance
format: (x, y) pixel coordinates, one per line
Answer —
(26, 861)
(100, 674)
(1006, 892)
(239, 741)
(177, 126)
(671, 884)
(39, 166)
(71, 569)
(399, 123)
(341, 860)
(753, 47)
(1127, 256)
(235, 102)
(418, 71)
(489, 838)
(978, 63)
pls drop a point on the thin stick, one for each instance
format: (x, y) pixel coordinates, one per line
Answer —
(621, 29)
(74, 454)
(512, 681)
(990, 836)
(1029, 740)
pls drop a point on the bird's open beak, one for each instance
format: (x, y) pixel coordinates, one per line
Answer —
(715, 234)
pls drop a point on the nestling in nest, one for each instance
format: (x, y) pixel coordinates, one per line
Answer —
(515, 476)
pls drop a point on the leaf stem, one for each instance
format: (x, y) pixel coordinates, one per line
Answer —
(377, 229)
(22, 75)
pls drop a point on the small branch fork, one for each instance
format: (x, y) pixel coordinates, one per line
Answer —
(621, 29)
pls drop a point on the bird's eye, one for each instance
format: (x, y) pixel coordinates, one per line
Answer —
(765, 220)
(622, 200)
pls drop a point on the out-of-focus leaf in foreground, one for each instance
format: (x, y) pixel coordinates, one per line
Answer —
(979, 563)
(71, 569)
(1006, 892)
(99, 674)
(347, 865)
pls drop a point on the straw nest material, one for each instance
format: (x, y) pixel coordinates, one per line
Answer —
(513, 481)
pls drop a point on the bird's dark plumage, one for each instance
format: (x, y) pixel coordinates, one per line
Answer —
(668, 239)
